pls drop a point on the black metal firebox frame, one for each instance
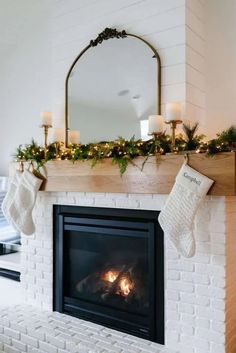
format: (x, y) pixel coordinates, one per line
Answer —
(70, 218)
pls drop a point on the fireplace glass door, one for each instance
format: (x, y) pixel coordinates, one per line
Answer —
(108, 268)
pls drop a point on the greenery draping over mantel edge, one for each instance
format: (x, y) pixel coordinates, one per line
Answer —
(124, 151)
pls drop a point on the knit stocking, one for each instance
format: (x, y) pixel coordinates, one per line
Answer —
(10, 195)
(20, 210)
(177, 216)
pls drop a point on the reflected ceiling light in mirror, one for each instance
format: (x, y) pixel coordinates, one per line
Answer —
(123, 92)
(74, 136)
(136, 97)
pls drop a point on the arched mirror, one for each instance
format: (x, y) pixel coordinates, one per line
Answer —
(112, 87)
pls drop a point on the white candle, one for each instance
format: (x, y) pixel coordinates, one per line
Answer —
(46, 118)
(74, 136)
(58, 135)
(173, 111)
(155, 124)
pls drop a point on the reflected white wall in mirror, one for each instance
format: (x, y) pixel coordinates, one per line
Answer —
(144, 126)
(113, 87)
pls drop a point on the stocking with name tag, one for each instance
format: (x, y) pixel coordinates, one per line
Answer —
(177, 215)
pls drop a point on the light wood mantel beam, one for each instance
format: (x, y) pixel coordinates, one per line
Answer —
(158, 175)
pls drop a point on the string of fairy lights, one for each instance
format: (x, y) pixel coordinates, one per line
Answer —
(122, 152)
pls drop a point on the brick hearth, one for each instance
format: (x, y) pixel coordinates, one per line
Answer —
(26, 329)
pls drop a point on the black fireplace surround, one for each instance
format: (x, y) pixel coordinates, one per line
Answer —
(109, 268)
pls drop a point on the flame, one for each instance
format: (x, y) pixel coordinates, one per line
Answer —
(110, 276)
(125, 286)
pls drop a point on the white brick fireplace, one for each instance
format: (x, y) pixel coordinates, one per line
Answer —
(194, 288)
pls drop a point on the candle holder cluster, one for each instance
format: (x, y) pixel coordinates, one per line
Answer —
(155, 127)
(58, 133)
(172, 118)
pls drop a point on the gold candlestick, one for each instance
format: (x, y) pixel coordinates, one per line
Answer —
(173, 125)
(156, 135)
(45, 127)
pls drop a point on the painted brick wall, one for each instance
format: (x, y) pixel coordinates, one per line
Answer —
(194, 288)
(24, 328)
(231, 275)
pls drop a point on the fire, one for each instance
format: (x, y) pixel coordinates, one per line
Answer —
(111, 276)
(125, 286)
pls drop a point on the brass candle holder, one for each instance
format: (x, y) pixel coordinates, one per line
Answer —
(57, 147)
(155, 136)
(173, 124)
(45, 128)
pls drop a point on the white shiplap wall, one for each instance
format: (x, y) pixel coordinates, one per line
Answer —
(195, 61)
(162, 23)
(174, 27)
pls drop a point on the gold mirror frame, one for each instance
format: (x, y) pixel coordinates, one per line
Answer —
(110, 33)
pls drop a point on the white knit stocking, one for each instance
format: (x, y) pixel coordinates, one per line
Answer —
(177, 216)
(10, 195)
(20, 210)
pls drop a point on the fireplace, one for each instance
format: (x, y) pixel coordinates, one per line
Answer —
(109, 268)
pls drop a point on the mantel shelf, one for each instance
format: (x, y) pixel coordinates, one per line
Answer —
(158, 176)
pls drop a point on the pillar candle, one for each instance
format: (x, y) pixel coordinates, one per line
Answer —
(58, 135)
(155, 124)
(46, 118)
(173, 111)
(74, 136)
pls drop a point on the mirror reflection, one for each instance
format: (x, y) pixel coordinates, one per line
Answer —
(112, 90)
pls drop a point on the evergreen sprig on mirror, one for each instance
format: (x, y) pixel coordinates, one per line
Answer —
(122, 152)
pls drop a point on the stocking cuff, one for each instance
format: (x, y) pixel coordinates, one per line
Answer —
(191, 179)
(32, 180)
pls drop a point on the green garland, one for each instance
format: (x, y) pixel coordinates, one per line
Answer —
(124, 151)
(225, 142)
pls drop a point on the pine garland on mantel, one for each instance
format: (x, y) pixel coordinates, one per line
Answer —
(122, 152)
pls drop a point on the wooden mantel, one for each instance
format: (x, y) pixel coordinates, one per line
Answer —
(157, 177)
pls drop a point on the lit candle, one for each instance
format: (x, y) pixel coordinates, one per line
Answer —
(74, 136)
(58, 135)
(46, 118)
(173, 111)
(155, 124)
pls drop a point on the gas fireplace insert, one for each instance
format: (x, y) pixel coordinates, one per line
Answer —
(109, 268)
